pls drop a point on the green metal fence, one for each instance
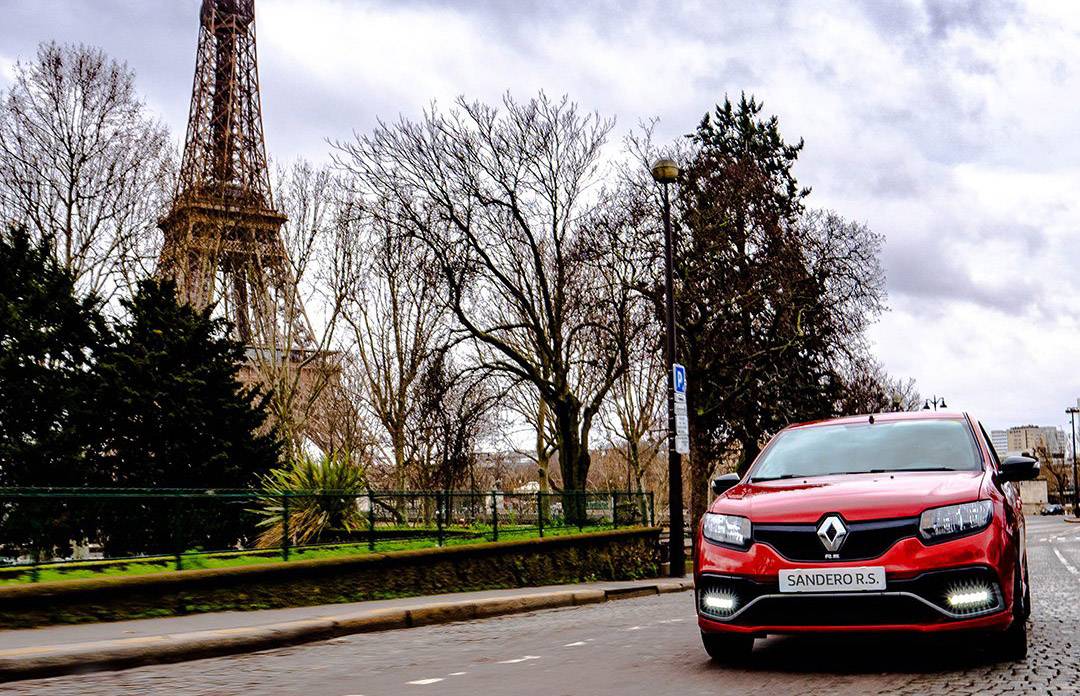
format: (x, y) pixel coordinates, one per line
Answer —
(57, 533)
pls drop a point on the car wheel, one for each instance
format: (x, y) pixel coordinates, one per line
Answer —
(728, 650)
(1014, 642)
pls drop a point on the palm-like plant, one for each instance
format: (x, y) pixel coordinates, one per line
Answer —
(323, 495)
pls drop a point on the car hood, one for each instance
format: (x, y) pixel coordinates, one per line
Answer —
(854, 496)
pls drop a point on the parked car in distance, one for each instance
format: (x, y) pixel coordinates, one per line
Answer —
(891, 522)
(1052, 509)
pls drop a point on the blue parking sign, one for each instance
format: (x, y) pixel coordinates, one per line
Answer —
(679, 377)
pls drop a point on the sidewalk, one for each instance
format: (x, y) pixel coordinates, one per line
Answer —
(87, 647)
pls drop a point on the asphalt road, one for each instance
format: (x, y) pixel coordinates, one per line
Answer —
(638, 646)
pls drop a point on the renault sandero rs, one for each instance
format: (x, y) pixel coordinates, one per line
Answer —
(891, 522)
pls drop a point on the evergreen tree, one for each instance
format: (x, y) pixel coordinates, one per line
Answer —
(48, 341)
(771, 300)
(180, 418)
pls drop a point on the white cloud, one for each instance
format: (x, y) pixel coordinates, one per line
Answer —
(7, 71)
(948, 127)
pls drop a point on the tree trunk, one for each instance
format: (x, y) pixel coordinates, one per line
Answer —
(701, 466)
(541, 445)
(574, 461)
(750, 450)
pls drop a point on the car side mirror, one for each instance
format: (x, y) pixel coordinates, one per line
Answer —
(723, 483)
(1018, 468)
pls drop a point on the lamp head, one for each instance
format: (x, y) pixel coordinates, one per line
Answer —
(665, 171)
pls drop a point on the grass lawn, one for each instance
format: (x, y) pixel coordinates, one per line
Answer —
(77, 570)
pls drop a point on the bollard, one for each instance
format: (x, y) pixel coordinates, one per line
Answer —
(285, 526)
(540, 514)
(439, 516)
(35, 556)
(371, 521)
(178, 539)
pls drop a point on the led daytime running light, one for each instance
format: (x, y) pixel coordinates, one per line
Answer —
(966, 599)
(719, 602)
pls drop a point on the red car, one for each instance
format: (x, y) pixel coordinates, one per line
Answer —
(891, 522)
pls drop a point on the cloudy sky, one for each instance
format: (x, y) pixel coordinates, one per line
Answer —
(951, 127)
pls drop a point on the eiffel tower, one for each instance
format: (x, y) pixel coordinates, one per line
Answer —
(223, 241)
(223, 235)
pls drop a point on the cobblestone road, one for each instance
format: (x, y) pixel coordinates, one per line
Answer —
(642, 646)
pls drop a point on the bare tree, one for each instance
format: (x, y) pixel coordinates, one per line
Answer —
(636, 416)
(395, 318)
(523, 405)
(303, 369)
(868, 388)
(1057, 474)
(456, 409)
(502, 199)
(84, 165)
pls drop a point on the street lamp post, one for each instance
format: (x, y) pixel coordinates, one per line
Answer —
(935, 402)
(1072, 411)
(665, 172)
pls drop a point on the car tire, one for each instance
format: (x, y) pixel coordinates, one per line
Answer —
(1027, 591)
(1014, 642)
(727, 649)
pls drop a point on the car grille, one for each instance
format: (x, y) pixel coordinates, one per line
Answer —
(809, 610)
(865, 540)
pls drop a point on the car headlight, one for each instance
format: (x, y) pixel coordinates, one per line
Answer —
(941, 523)
(726, 529)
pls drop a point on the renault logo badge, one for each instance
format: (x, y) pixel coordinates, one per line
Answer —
(832, 533)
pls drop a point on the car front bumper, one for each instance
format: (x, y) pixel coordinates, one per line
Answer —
(919, 578)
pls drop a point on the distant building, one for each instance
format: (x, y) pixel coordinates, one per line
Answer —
(1000, 440)
(1028, 438)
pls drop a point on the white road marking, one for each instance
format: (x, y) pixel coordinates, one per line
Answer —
(669, 621)
(457, 674)
(425, 682)
(520, 659)
(1068, 566)
(634, 628)
(574, 645)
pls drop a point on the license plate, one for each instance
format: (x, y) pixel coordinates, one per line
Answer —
(865, 579)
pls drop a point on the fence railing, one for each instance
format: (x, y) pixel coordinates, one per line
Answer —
(57, 533)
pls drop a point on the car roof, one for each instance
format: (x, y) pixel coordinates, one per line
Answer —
(882, 418)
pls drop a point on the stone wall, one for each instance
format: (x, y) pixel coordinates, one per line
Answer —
(624, 554)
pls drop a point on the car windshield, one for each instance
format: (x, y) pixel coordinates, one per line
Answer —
(909, 445)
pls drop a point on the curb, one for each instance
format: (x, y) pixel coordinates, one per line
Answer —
(54, 660)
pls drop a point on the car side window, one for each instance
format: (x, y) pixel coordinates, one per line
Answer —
(990, 446)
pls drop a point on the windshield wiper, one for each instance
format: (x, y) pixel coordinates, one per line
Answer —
(926, 468)
(892, 471)
(755, 479)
